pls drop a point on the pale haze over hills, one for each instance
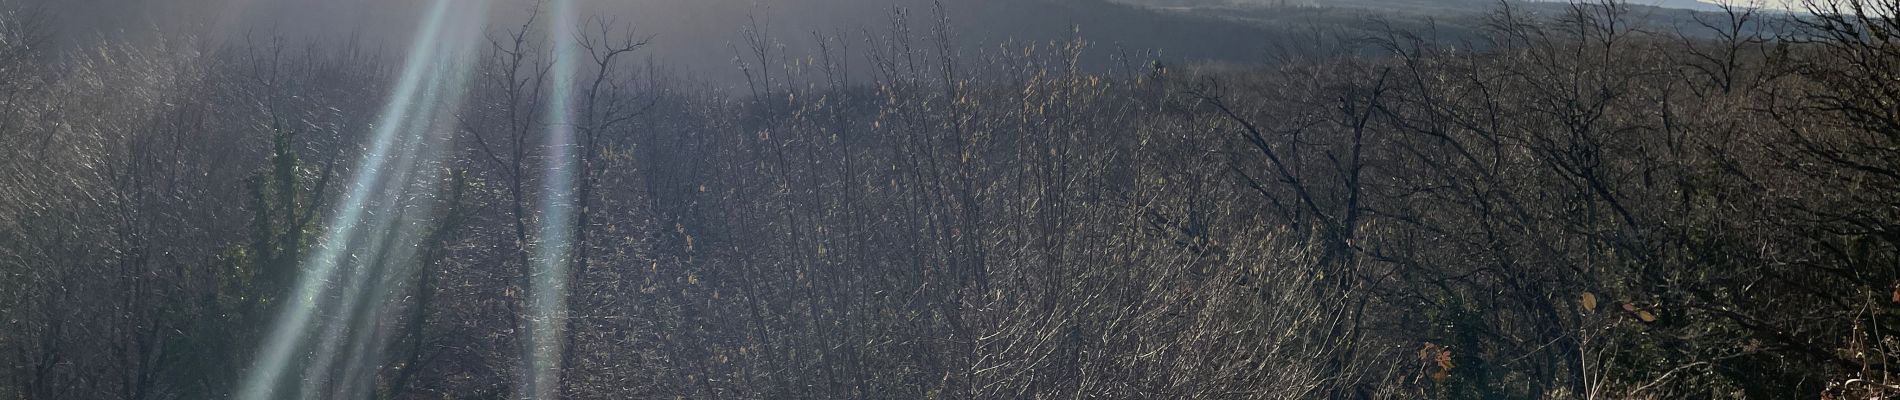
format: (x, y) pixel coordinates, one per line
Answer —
(710, 23)
(688, 34)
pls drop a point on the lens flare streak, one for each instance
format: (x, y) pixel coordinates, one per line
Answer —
(349, 285)
(548, 289)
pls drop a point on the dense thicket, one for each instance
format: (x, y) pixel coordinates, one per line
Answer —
(1584, 207)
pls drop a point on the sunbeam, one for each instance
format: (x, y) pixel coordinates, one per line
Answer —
(348, 295)
(548, 291)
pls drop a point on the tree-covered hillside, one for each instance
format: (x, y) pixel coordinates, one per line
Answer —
(1572, 203)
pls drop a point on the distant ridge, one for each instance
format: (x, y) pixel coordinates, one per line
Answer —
(1696, 5)
(1433, 6)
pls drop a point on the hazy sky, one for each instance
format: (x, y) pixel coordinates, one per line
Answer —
(686, 31)
(691, 33)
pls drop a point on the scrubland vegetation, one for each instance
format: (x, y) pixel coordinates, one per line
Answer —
(1568, 205)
